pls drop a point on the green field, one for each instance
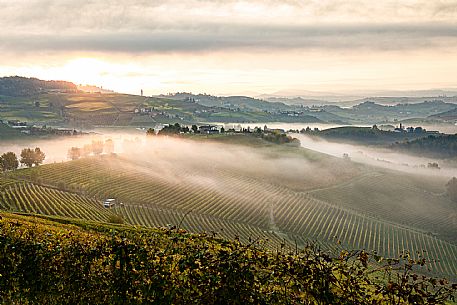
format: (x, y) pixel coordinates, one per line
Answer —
(344, 205)
(26, 109)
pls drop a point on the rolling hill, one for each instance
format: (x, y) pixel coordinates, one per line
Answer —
(447, 116)
(299, 196)
(22, 86)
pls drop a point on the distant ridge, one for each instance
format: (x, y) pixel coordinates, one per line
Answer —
(23, 86)
(450, 115)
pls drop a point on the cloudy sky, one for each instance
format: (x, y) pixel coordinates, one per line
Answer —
(233, 47)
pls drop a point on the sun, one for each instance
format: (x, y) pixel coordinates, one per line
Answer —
(85, 70)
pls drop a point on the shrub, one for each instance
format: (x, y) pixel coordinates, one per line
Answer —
(115, 218)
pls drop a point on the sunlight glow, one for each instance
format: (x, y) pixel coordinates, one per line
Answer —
(86, 70)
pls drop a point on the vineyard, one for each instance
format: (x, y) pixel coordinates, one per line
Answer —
(397, 198)
(52, 260)
(240, 204)
(31, 198)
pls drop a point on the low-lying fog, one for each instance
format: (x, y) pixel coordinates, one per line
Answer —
(377, 156)
(56, 150)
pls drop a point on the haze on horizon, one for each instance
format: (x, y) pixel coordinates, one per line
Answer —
(233, 47)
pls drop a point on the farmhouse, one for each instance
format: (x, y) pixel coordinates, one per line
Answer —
(17, 124)
(209, 129)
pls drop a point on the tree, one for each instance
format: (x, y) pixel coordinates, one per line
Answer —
(195, 128)
(27, 157)
(433, 165)
(222, 129)
(109, 146)
(151, 132)
(451, 188)
(74, 153)
(8, 161)
(30, 157)
(172, 129)
(97, 147)
(86, 150)
(38, 156)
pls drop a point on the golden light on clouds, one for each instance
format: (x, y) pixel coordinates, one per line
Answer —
(232, 47)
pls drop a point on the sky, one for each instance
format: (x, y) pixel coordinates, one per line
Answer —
(233, 47)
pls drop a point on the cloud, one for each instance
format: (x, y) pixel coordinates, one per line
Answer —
(221, 36)
(161, 26)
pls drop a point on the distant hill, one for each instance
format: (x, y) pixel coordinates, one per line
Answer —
(316, 95)
(348, 99)
(300, 101)
(444, 146)
(242, 102)
(370, 112)
(392, 100)
(350, 102)
(448, 116)
(22, 86)
(367, 135)
(267, 110)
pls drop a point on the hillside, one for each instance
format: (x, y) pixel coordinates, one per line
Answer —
(420, 143)
(286, 195)
(367, 135)
(22, 86)
(89, 110)
(442, 146)
(59, 103)
(447, 116)
(269, 111)
(49, 260)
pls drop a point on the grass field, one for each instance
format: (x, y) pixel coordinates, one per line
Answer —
(346, 205)
(34, 110)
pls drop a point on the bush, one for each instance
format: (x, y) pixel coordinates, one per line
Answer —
(115, 218)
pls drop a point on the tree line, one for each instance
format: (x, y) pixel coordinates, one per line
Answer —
(96, 147)
(444, 146)
(29, 157)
